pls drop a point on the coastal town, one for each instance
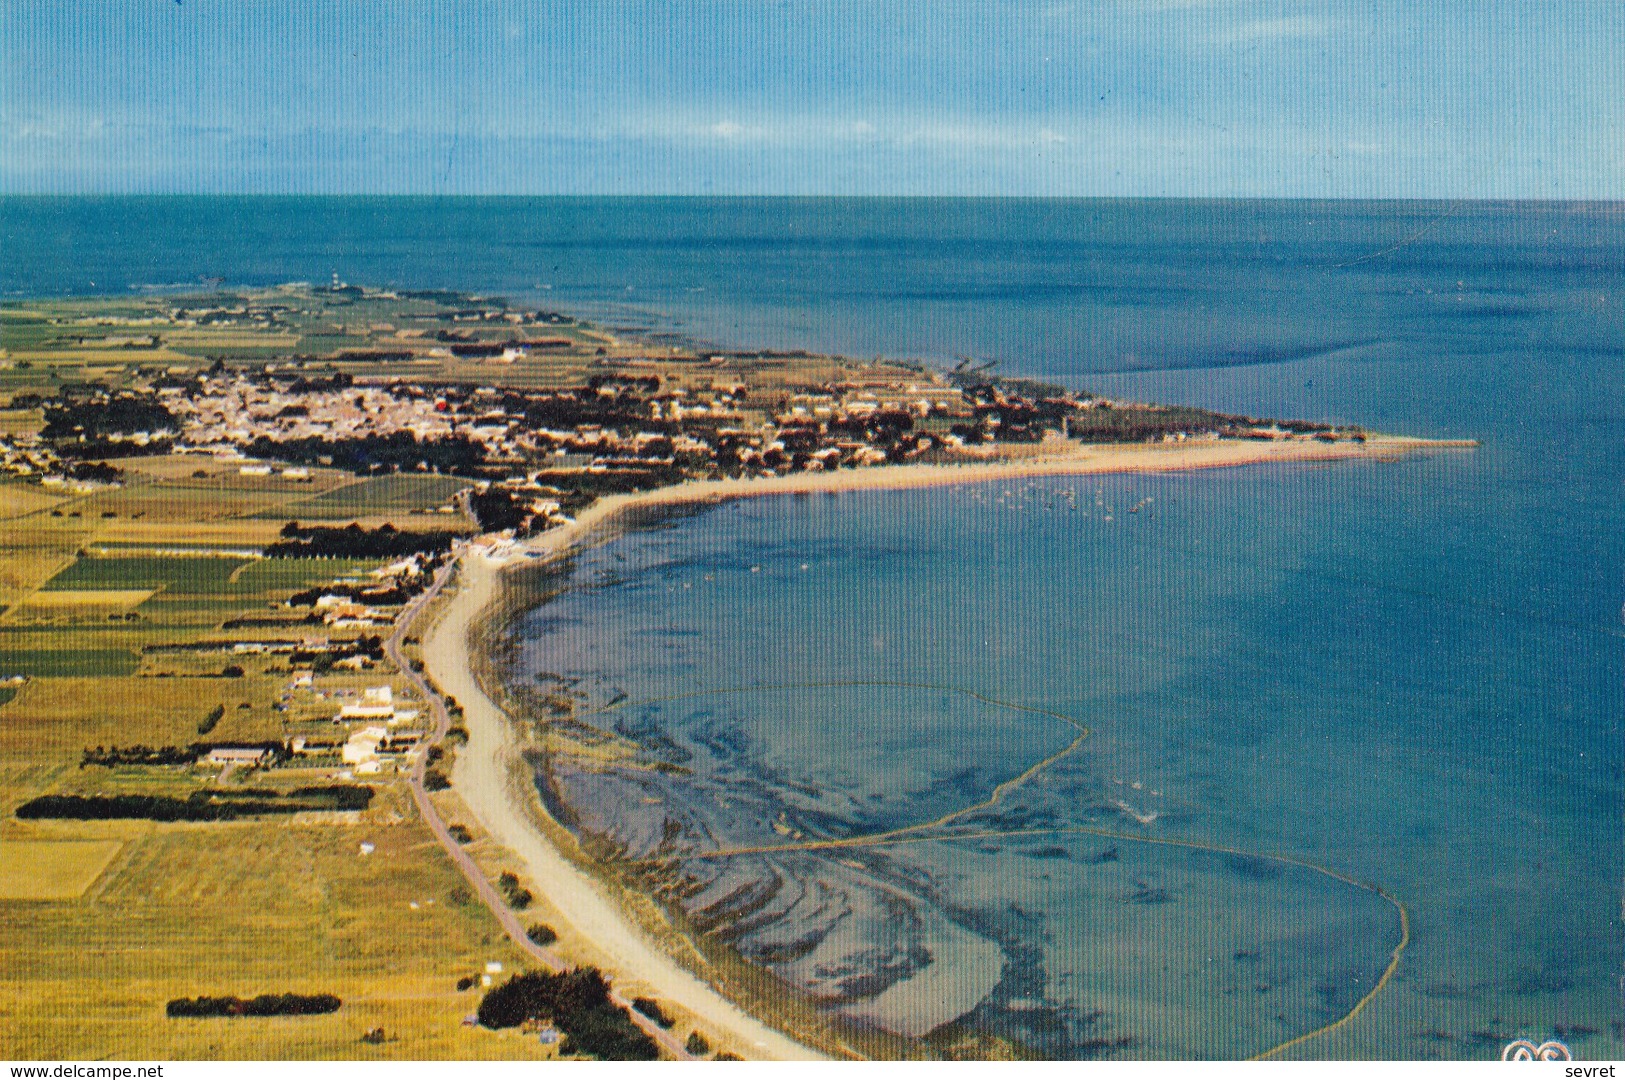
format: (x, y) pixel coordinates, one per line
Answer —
(534, 453)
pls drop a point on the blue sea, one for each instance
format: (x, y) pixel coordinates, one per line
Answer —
(1312, 697)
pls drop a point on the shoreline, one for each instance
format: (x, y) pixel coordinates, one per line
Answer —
(485, 773)
(484, 777)
(1082, 460)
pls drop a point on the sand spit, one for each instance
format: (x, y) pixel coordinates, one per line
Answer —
(1068, 460)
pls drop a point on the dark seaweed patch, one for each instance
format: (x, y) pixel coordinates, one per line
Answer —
(1017, 1010)
(1252, 867)
(1527, 982)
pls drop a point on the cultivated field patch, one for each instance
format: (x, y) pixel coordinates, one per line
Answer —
(52, 869)
(67, 663)
(81, 599)
(282, 575)
(380, 495)
(187, 575)
(22, 569)
(17, 499)
(253, 908)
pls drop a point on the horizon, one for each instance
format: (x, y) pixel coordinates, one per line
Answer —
(1175, 99)
(1391, 200)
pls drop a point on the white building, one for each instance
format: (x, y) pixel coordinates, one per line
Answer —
(363, 745)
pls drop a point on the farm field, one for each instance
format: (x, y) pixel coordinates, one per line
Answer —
(188, 910)
(98, 599)
(161, 911)
(52, 869)
(378, 495)
(203, 575)
(183, 575)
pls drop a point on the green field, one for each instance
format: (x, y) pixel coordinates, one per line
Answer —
(188, 575)
(71, 663)
(52, 870)
(285, 575)
(200, 576)
(379, 495)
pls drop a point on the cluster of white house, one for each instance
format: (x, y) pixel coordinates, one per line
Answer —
(338, 610)
(383, 740)
(369, 748)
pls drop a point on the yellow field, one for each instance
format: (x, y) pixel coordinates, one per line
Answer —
(52, 869)
(101, 923)
(26, 569)
(185, 467)
(59, 717)
(17, 498)
(91, 358)
(247, 909)
(20, 421)
(230, 533)
(78, 599)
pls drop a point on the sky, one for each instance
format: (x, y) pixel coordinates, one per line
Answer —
(1206, 98)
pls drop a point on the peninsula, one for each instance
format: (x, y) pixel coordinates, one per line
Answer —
(245, 754)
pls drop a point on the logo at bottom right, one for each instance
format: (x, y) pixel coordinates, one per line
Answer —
(1526, 1050)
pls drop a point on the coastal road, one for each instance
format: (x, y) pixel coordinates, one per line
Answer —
(476, 877)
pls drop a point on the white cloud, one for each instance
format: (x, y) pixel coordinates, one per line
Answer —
(896, 131)
(1258, 31)
(57, 125)
(793, 132)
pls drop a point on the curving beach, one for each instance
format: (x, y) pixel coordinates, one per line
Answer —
(498, 787)
(500, 798)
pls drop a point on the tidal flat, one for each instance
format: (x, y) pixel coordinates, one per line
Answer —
(764, 727)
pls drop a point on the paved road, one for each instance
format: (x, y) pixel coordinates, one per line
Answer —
(471, 870)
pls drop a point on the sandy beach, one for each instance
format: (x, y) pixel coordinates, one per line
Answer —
(486, 778)
(1068, 460)
(496, 786)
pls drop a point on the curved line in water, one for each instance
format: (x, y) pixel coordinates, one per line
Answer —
(906, 834)
(999, 791)
(878, 840)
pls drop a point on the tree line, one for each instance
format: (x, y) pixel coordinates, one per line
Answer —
(142, 754)
(263, 1005)
(352, 541)
(205, 804)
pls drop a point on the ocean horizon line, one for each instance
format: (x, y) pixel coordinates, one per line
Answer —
(580, 197)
